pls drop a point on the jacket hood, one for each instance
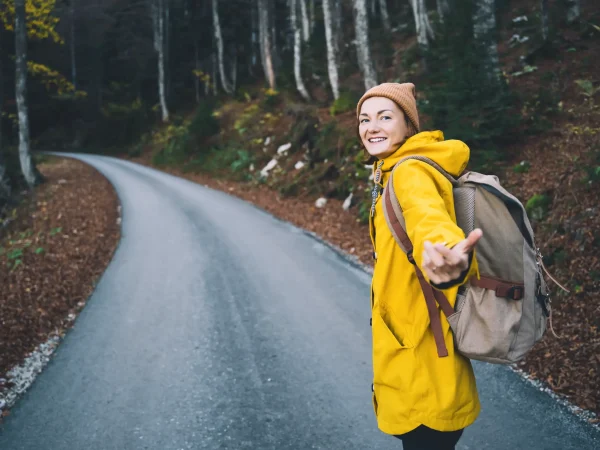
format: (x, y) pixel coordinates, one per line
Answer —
(452, 155)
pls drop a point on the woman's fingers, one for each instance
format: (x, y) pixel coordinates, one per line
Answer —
(442, 264)
(468, 244)
(435, 257)
(450, 256)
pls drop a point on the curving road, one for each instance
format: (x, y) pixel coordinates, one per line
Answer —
(217, 326)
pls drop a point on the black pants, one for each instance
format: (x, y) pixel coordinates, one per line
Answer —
(423, 438)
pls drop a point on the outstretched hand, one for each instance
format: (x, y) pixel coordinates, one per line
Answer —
(442, 264)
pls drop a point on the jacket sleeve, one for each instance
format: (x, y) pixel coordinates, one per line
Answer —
(420, 189)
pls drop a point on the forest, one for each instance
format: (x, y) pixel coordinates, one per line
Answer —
(258, 97)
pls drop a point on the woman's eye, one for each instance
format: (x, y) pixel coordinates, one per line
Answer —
(386, 118)
(364, 120)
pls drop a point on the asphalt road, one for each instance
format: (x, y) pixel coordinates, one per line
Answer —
(217, 326)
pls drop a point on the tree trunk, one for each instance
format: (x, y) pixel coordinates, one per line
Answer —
(158, 25)
(361, 27)
(544, 14)
(573, 10)
(253, 41)
(214, 74)
(312, 16)
(332, 48)
(385, 17)
(197, 67)
(484, 29)
(4, 182)
(298, 49)
(337, 22)
(443, 9)
(373, 4)
(305, 20)
(424, 30)
(27, 164)
(72, 45)
(275, 57)
(167, 39)
(219, 41)
(265, 41)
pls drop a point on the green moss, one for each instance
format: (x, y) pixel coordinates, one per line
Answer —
(537, 206)
(522, 167)
(346, 102)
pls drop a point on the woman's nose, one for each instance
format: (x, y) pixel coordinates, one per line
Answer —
(373, 127)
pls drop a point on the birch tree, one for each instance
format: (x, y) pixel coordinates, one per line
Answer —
(298, 49)
(385, 17)
(27, 164)
(361, 28)
(422, 24)
(544, 14)
(337, 21)
(332, 48)
(305, 20)
(264, 31)
(484, 30)
(158, 28)
(227, 87)
(573, 10)
(4, 182)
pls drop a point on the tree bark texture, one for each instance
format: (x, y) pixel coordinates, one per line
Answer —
(265, 41)
(573, 10)
(298, 49)
(422, 24)
(484, 29)
(27, 165)
(158, 25)
(361, 28)
(305, 20)
(227, 87)
(385, 17)
(332, 48)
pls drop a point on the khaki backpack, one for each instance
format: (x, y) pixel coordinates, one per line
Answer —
(500, 316)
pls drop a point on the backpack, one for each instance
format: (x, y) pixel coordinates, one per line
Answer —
(500, 316)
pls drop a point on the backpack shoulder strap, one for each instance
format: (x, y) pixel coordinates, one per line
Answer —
(395, 220)
(432, 163)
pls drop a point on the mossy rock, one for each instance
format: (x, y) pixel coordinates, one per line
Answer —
(537, 207)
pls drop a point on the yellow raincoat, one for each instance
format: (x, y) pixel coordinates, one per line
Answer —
(412, 385)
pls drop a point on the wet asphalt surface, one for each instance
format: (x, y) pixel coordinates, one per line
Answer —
(217, 326)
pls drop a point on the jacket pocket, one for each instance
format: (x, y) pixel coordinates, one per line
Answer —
(387, 332)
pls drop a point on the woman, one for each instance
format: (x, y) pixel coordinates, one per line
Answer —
(423, 399)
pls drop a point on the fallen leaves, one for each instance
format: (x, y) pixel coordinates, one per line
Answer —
(63, 240)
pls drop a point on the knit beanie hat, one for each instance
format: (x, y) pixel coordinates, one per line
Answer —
(403, 94)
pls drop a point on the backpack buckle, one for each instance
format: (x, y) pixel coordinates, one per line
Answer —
(409, 255)
(515, 292)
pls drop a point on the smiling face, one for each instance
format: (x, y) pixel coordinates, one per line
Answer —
(382, 126)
